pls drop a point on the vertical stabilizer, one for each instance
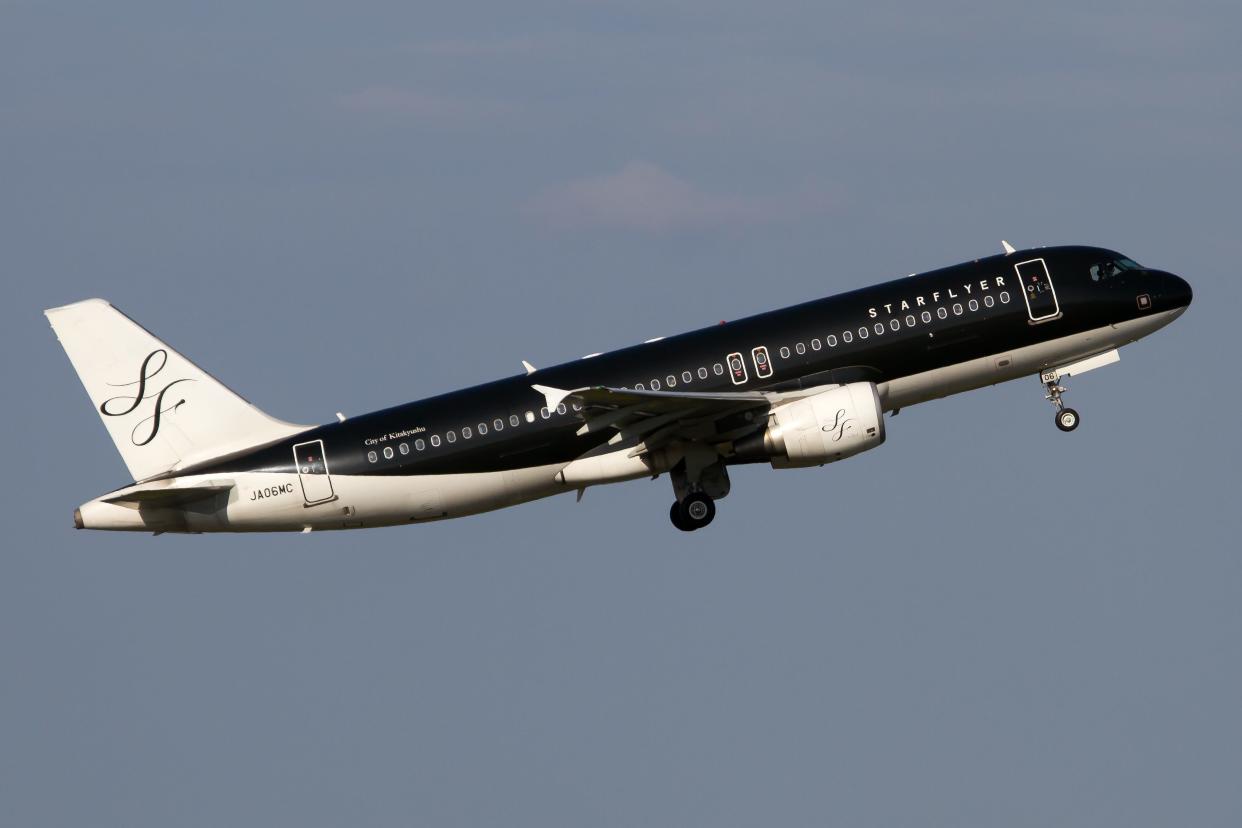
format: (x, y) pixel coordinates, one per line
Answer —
(161, 410)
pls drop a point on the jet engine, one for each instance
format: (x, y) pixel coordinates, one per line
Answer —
(819, 429)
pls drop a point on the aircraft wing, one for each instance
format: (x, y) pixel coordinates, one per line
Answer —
(654, 418)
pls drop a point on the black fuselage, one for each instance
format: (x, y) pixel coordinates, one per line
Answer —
(876, 334)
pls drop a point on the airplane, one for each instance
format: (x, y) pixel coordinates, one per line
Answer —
(803, 386)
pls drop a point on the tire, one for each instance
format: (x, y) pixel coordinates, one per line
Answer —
(674, 514)
(1068, 419)
(697, 510)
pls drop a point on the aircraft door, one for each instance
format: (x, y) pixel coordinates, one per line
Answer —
(1037, 289)
(763, 364)
(313, 472)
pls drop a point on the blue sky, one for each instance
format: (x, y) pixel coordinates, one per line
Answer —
(983, 622)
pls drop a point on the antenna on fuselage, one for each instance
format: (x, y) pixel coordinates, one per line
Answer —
(1008, 247)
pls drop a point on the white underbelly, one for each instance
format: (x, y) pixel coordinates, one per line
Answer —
(380, 500)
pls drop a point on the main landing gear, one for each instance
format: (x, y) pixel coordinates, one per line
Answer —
(1067, 418)
(695, 512)
(699, 480)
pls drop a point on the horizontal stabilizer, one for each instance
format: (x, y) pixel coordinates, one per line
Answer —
(168, 497)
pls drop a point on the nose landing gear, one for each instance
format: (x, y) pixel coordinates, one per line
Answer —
(1067, 419)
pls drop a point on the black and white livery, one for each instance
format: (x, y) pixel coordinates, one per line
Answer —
(802, 386)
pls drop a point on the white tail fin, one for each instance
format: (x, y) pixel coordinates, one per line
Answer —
(162, 411)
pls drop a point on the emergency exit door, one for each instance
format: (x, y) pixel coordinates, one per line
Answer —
(313, 472)
(1037, 289)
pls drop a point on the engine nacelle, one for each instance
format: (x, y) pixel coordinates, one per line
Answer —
(819, 429)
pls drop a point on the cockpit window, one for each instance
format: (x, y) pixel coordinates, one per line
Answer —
(1112, 268)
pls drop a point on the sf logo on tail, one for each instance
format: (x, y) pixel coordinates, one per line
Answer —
(144, 430)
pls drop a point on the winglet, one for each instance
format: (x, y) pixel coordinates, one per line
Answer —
(553, 396)
(1008, 247)
(530, 369)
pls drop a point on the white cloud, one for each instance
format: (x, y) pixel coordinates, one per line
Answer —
(643, 196)
(423, 106)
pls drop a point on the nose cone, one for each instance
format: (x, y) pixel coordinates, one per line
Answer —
(1177, 291)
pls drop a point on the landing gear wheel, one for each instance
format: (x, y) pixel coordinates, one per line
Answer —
(674, 514)
(695, 512)
(1067, 419)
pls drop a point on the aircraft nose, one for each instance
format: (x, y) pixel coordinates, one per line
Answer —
(1177, 291)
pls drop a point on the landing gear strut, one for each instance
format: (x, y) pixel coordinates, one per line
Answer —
(1067, 419)
(695, 512)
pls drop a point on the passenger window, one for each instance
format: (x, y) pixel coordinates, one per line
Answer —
(942, 313)
(702, 373)
(530, 416)
(482, 429)
(498, 424)
(800, 348)
(815, 346)
(655, 385)
(637, 387)
(973, 304)
(957, 309)
(670, 381)
(988, 301)
(451, 436)
(404, 448)
(831, 340)
(894, 324)
(910, 321)
(847, 336)
(879, 328)
(372, 456)
(925, 316)
(1004, 297)
(466, 432)
(514, 421)
(419, 444)
(577, 406)
(863, 333)
(387, 452)
(545, 413)
(435, 440)
(784, 352)
(686, 376)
